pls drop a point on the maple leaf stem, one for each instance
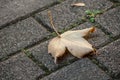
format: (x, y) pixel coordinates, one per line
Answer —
(51, 22)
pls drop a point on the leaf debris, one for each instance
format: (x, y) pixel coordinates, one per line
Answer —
(73, 41)
(78, 4)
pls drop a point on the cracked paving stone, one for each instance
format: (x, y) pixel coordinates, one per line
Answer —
(20, 35)
(19, 67)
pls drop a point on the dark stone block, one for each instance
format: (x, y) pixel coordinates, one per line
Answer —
(80, 70)
(110, 58)
(20, 35)
(40, 52)
(110, 20)
(19, 67)
(13, 9)
(64, 14)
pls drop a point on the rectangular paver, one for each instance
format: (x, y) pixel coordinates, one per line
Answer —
(80, 70)
(19, 67)
(65, 15)
(13, 9)
(20, 35)
(110, 20)
(110, 58)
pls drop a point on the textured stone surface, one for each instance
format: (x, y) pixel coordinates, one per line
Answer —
(115, 0)
(97, 38)
(20, 35)
(64, 14)
(80, 70)
(92, 5)
(19, 67)
(12, 9)
(40, 53)
(110, 58)
(111, 21)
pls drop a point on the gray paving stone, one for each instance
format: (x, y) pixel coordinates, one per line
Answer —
(40, 53)
(12, 9)
(111, 21)
(80, 70)
(110, 58)
(20, 35)
(92, 5)
(19, 67)
(64, 14)
(98, 38)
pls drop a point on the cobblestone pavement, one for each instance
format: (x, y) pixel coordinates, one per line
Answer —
(25, 32)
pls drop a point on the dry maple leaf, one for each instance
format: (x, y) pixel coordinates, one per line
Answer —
(78, 4)
(73, 41)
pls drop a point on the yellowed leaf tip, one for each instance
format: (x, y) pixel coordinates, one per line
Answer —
(93, 29)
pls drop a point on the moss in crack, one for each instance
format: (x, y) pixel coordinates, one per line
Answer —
(60, 67)
(4, 58)
(61, 1)
(95, 61)
(27, 53)
(30, 55)
(77, 23)
(116, 37)
(100, 65)
(91, 14)
(53, 34)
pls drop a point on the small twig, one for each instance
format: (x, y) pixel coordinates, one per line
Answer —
(51, 22)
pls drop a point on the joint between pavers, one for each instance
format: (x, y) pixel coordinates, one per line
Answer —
(114, 1)
(40, 64)
(101, 66)
(49, 28)
(28, 15)
(66, 64)
(27, 47)
(29, 55)
(116, 4)
(111, 38)
(8, 56)
(73, 25)
(103, 29)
